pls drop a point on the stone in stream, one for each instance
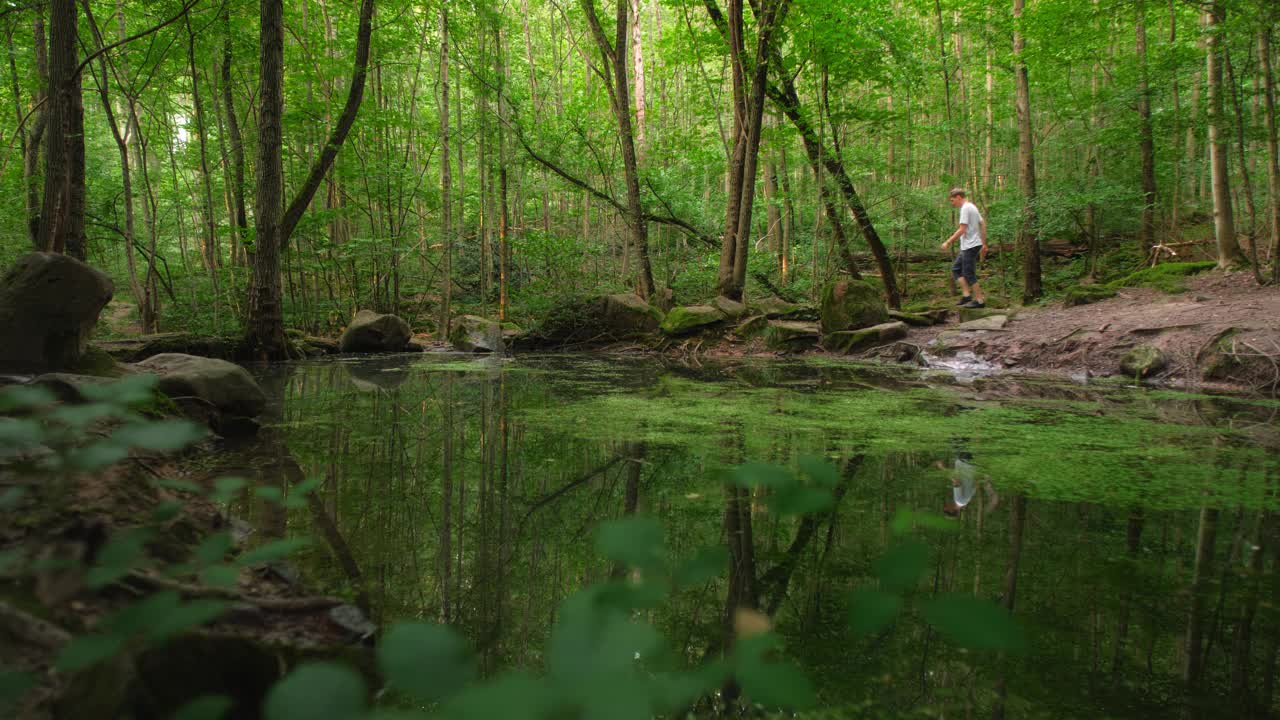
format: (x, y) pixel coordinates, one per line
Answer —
(852, 341)
(790, 335)
(1143, 361)
(850, 305)
(371, 332)
(686, 320)
(49, 305)
(221, 393)
(595, 320)
(473, 334)
(990, 322)
(913, 319)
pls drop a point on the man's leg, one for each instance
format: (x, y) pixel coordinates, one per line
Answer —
(977, 293)
(964, 287)
(957, 273)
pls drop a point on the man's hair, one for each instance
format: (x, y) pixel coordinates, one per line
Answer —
(957, 192)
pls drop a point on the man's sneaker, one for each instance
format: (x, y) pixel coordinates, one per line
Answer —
(965, 300)
(974, 305)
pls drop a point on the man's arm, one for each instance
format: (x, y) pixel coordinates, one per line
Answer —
(959, 231)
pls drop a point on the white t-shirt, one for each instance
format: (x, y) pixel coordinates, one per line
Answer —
(972, 220)
(968, 483)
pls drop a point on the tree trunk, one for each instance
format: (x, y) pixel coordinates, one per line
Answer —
(1224, 226)
(446, 186)
(1146, 142)
(210, 254)
(62, 211)
(32, 141)
(265, 322)
(241, 219)
(1028, 239)
(1017, 526)
(1193, 667)
(1273, 150)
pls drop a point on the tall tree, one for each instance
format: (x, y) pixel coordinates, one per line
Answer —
(1146, 136)
(265, 322)
(1028, 238)
(62, 213)
(1224, 226)
(1273, 144)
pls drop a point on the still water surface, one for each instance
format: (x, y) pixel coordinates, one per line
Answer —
(1133, 532)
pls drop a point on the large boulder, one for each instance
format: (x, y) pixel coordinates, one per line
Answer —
(372, 332)
(596, 320)
(913, 319)
(1143, 361)
(852, 341)
(473, 334)
(49, 305)
(851, 304)
(690, 319)
(778, 309)
(219, 392)
(788, 335)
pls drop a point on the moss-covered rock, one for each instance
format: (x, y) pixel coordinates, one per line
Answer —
(141, 347)
(990, 322)
(732, 309)
(752, 326)
(371, 332)
(1087, 294)
(1168, 277)
(596, 320)
(971, 314)
(851, 304)
(1143, 361)
(473, 334)
(913, 319)
(791, 335)
(691, 318)
(852, 341)
(775, 308)
(49, 305)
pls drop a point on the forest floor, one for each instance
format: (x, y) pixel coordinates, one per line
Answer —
(1091, 339)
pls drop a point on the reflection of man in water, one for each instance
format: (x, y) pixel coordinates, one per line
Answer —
(964, 486)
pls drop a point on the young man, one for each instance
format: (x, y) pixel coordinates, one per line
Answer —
(972, 234)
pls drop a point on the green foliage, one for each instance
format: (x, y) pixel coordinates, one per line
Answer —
(1167, 277)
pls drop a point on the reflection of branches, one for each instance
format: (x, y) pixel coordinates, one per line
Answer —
(557, 493)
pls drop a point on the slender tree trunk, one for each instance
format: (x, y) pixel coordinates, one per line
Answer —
(1146, 141)
(241, 218)
(1193, 667)
(1273, 149)
(1028, 238)
(446, 184)
(1224, 225)
(211, 254)
(62, 211)
(1017, 526)
(32, 141)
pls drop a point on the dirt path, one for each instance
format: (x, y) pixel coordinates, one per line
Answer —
(1092, 339)
(122, 318)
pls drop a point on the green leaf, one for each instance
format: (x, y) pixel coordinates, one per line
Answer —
(819, 470)
(772, 684)
(317, 691)
(88, 650)
(708, 564)
(510, 696)
(135, 618)
(98, 455)
(81, 416)
(272, 551)
(10, 561)
(429, 662)
(185, 617)
(165, 436)
(10, 496)
(167, 511)
(973, 623)
(132, 390)
(799, 500)
(180, 485)
(23, 397)
(902, 565)
(13, 685)
(225, 489)
(18, 434)
(871, 611)
(750, 475)
(635, 541)
(270, 494)
(223, 576)
(212, 550)
(306, 487)
(122, 553)
(207, 707)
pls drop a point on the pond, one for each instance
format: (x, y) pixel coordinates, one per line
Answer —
(1132, 531)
